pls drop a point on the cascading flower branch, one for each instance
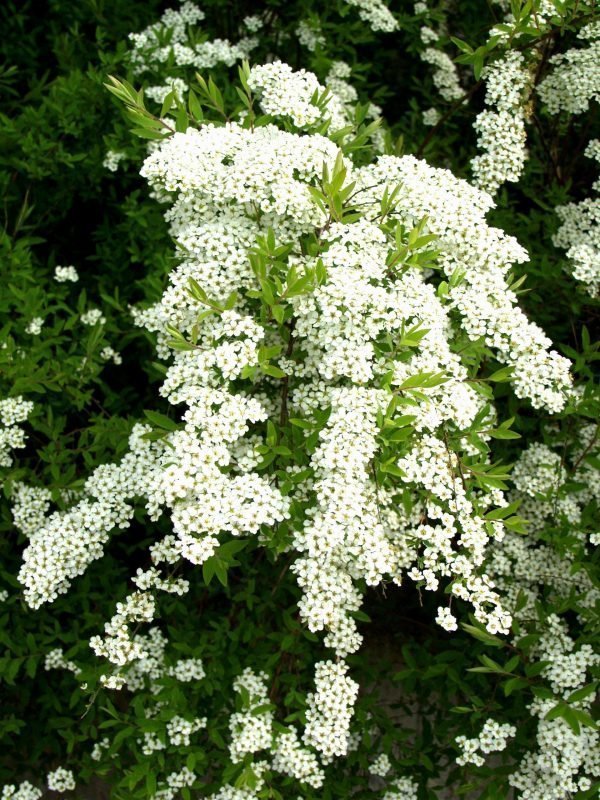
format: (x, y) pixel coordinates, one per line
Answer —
(326, 327)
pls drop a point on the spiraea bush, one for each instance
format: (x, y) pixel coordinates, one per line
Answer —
(299, 438)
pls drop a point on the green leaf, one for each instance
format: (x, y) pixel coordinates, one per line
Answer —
(501, 375)
(161, 421)
(194, 106)
(500, 433)
(482, 635)
(581, 694)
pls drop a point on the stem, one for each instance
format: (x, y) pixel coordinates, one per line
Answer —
(285, 384)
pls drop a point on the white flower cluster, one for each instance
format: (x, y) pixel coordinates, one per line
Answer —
(298, 95)
(187, 670)
(579, 233)
(180, 730)
(522, 566)
(381, 766)
(428, 36)
(30, 504)
(55, 659)
(565, 761)
(149, 666)
(529, 568)
(229, 171)
(67, 542)
(111, 162)
(100, 748)
(445, 75)
(492, 739)
(329, 710)
(34, 326)
(402, 789)
(250, 731)
(61, 780)
(63, 274)
(253, 23)
(110, 354)
(290, 758)
(501, 135)
(93, 316)
(446, 619)
(12, 437)
(150, 51)
(24, 791)
(574, 81)
(174, 782)
(158, 93)
(376, 14)
(118, 646)
(344, 537)
(309, 35)
(456, 213)
(283, 91)
(431, 117)
(432, 466)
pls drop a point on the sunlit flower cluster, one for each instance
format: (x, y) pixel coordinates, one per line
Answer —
(149, 49)
(574, 80)
(500, 128)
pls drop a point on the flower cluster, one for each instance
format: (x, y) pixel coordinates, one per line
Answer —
(501, 126)
(402, 789)
(528, 569)
(67, 542)
(34, 326)
(579, 233)
(180, 730)
(329, 710)
(376, 14)
(24, 791)
(250, 730)
(285, 92)
(381, 766)
(111, 162)
(574, 81)
(290, 758)
(93, 316)
(170, 38)
(309, 35)
(61, 780)
(565, 761)
(12, 437)
(445, 76)
(63, 274)
(492, 739)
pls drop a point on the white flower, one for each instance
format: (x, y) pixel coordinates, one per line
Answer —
(93, 317)
(63, 274)
(34, 327)
(61, 780)
(376, 14)
(111, 162)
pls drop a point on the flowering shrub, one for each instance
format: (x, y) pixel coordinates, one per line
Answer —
(299, 436)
